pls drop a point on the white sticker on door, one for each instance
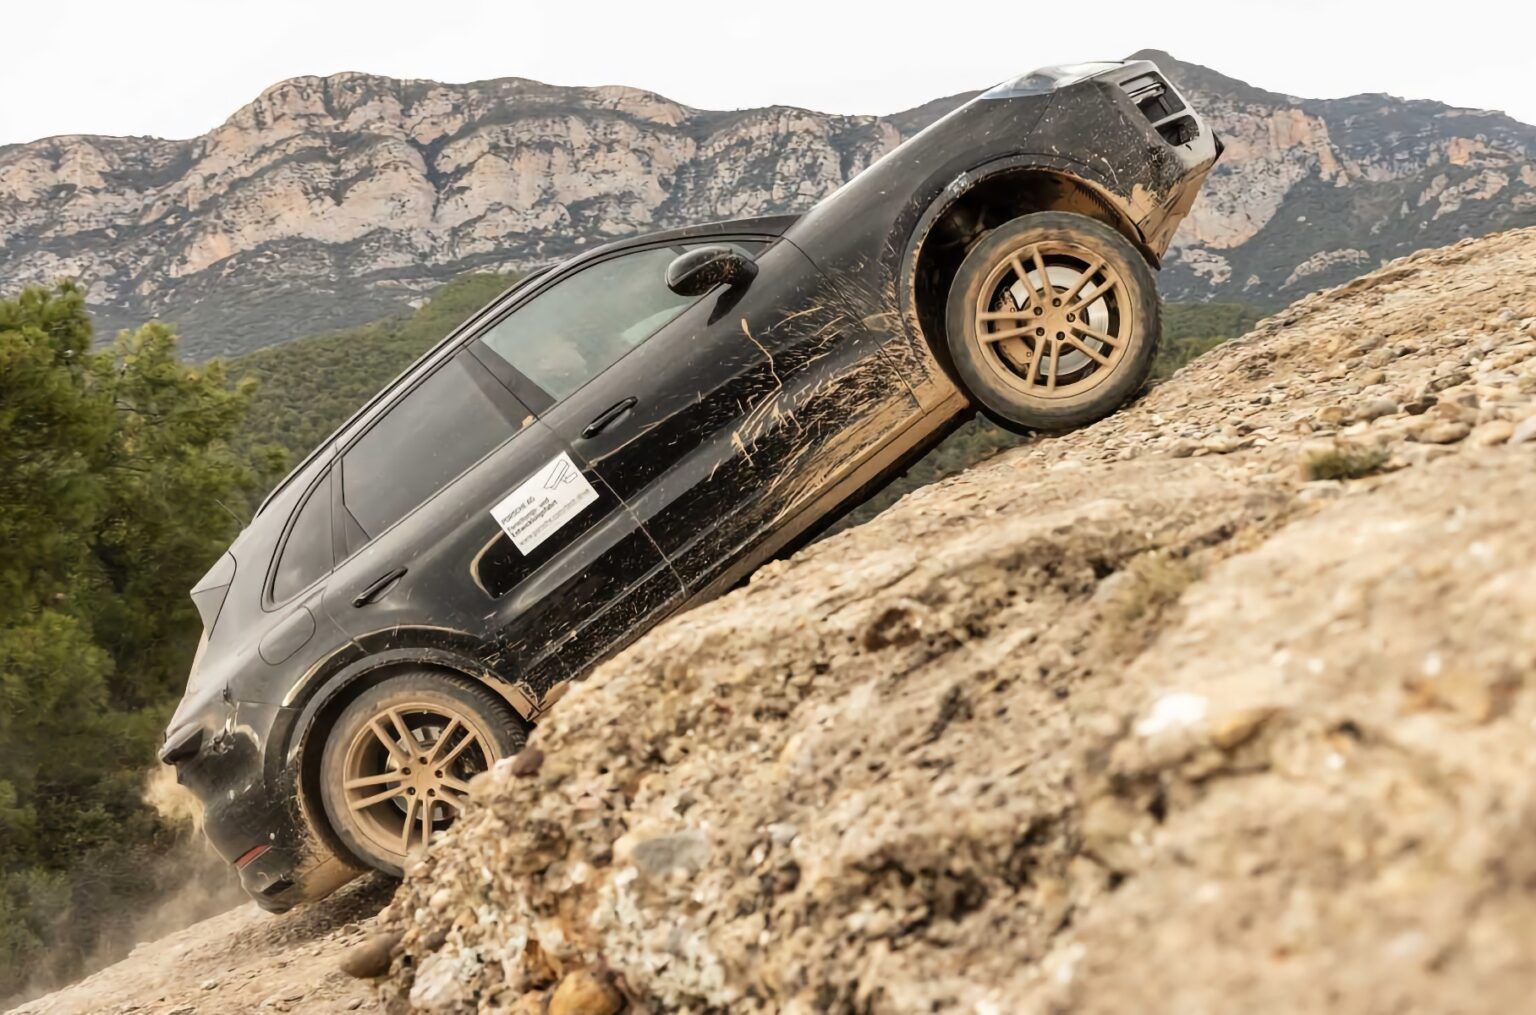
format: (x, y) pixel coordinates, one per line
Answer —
(543, 502)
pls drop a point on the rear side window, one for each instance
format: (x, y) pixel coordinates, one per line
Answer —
(446, 423)
(306, 553)
(576, 329)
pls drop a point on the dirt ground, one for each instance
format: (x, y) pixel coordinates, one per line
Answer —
(1225, 703)
(243, 961)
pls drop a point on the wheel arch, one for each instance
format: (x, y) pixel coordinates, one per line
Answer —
(976, 201)
(333, 692)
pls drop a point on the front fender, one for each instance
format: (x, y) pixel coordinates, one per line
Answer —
(910, 238)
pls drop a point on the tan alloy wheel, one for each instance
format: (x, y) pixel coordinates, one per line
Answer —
(1053, 320)
(406, 773)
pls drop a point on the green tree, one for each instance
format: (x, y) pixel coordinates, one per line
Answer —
(1191, 330)
(118, 488)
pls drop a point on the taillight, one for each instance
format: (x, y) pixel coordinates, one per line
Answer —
(249, 855)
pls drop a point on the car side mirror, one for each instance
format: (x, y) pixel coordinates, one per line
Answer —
(699, 270)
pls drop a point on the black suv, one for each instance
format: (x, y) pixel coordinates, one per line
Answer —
(634, 431)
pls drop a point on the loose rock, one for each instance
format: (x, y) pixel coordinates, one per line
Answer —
(1524, 431)
(583, 992)
(1494, 432)
(1444, 433)
(371, 958)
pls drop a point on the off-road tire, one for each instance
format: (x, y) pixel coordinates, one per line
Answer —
(1005, 378)
(355, 751)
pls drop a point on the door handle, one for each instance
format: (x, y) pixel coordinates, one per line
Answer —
(380, 587)
(607, 416)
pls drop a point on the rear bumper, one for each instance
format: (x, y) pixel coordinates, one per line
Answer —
(251, 805)
(277, 883)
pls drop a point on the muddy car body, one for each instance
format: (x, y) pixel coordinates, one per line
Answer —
(522, 503)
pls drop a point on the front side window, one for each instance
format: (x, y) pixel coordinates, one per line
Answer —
(575, 330)
(306, 553)
(444, 425)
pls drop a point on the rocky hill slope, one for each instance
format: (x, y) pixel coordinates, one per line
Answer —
(1225, 702)
(333, 201)
(1222, 704)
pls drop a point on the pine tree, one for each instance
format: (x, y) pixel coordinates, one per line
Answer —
(118, 489)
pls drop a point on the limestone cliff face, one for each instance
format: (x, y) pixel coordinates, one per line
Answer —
(329, 201)
(1312, 192)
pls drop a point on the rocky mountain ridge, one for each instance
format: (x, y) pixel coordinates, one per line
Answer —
(330, 201)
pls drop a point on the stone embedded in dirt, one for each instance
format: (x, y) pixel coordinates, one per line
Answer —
(534, 1002)
(1447, 411)
(1224, 444)
(1320, 490)
(1331, 416)
(1233, 729)
(442, 981)
(1375, 408)
(583, 992)
(897, 626)
(1423, 454)
(1476, 695)
(1524, 431)
(370, 958)
(527, 762)
(1443, 433)
(664, 856)
(1450, 379)
(1493, 432)
(284, 1000)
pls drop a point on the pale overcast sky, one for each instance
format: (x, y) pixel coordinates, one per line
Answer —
(175, 68)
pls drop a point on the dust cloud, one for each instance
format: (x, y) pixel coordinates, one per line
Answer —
(204, 884)
(179, 882)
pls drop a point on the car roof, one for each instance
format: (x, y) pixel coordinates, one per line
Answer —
(768, 225)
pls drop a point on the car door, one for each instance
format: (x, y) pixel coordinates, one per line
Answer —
(468, 523)
(717, 418)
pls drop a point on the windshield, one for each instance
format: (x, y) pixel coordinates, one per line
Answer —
(1046, 79)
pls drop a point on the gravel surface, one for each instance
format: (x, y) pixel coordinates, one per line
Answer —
(241, 962)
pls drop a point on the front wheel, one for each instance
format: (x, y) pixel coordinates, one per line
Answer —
(1052, 321)
(396, 767)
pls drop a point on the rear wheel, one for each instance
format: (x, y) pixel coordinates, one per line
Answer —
(1052, 321)
(396, 768)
